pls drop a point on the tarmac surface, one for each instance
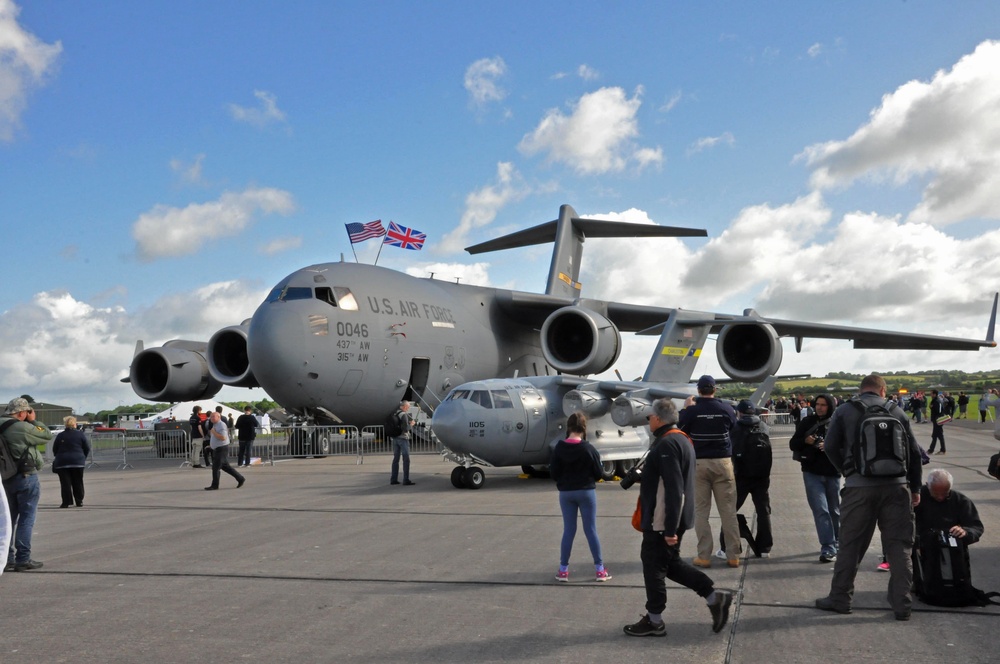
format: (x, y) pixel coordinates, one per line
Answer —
(321, 560)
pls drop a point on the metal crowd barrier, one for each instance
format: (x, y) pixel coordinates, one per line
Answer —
(779, 424)
(124, 447)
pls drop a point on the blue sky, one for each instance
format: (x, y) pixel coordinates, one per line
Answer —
(161, 157)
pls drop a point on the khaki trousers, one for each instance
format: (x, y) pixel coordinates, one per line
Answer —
(714, 477)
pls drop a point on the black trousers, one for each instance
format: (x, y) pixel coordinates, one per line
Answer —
(937, 433)
(660, 562)
(220, 461)
(757, 489)
(71, 485)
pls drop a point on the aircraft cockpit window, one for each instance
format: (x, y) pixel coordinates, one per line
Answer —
(284, 293)
(345, 298)
(482, 397)
(501, 399)
(458, 394)
(325, 294)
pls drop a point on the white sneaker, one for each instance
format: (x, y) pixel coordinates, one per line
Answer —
(721, 555)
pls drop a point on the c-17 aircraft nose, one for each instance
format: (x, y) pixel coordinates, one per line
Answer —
(278, 351)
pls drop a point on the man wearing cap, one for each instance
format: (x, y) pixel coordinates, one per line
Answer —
(752, 465)
(23, 436)
(708, 422)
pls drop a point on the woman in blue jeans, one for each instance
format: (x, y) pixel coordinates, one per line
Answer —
(576, 467)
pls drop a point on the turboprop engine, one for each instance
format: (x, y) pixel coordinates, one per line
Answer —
(228, 361)
(579, 341)
(175, 371)
(630, 411)
(749, 352)
(592, 404)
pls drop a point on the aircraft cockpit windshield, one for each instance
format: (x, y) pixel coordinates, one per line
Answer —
(335, 296)
(485, 398)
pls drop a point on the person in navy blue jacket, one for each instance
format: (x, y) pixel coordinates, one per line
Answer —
(71, 449)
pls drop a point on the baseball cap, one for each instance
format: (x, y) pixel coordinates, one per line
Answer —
(706, 382)
(746, 406)
(18, 405)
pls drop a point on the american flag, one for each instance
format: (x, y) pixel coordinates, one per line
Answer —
(403, 237)
(362, 232)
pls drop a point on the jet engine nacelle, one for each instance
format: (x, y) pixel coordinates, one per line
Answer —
(629, 411)
(592, 404)
(580, 341)
(228, 361)
(176, 371)
(749, 353)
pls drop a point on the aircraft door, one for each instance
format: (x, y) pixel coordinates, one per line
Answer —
(534, 413)
(417, 386)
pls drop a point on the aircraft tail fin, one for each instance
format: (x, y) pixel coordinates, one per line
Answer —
(993, 319)
(763, 391)
(679, 348)
(569, 232)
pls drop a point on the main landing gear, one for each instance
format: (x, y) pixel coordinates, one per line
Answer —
(472, 477)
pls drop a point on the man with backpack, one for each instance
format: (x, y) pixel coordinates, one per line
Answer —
(22, 437)
(752, 466)
(870, 441)
(397, 427)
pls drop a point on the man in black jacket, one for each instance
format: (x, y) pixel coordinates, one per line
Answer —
(246, 431)
(666, 494)
(943, 509)
(938, 409)
(821, 478)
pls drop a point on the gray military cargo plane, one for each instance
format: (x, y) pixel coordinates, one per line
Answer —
(345, 342)
(517, 422)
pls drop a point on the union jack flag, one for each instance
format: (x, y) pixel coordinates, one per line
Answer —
(403, 237)
(362, 232)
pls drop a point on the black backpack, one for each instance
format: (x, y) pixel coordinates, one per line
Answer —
(881, 446)
(994, 467)
(754, 459)
(392, 426)
(941, 573)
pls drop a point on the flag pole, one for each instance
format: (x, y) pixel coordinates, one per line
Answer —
(352, 245)
(381, 244)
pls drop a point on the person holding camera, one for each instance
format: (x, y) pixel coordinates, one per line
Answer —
(821, 478)
(666, 497)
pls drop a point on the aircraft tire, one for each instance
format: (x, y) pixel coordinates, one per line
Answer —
(623, 466)
(607, 470)
(474, 477)
(458, 477)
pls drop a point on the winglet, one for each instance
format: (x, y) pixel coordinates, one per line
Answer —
(993, 320)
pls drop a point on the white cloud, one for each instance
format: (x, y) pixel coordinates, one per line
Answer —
(482, 205)
(266, 112)
(596, 137)
(671, 103)
(168, 231)
(62, 350)
(482, 81)
(189, 173)
(945, 130)
(815, 50)
(797, 262)
(25, 62)
(587, 73)
(708, 142)
(281, 244)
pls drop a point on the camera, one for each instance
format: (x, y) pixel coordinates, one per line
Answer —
(631, 477)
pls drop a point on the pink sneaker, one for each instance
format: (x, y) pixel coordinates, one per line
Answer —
(562, 576)
(603, 575)
(883, 567)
